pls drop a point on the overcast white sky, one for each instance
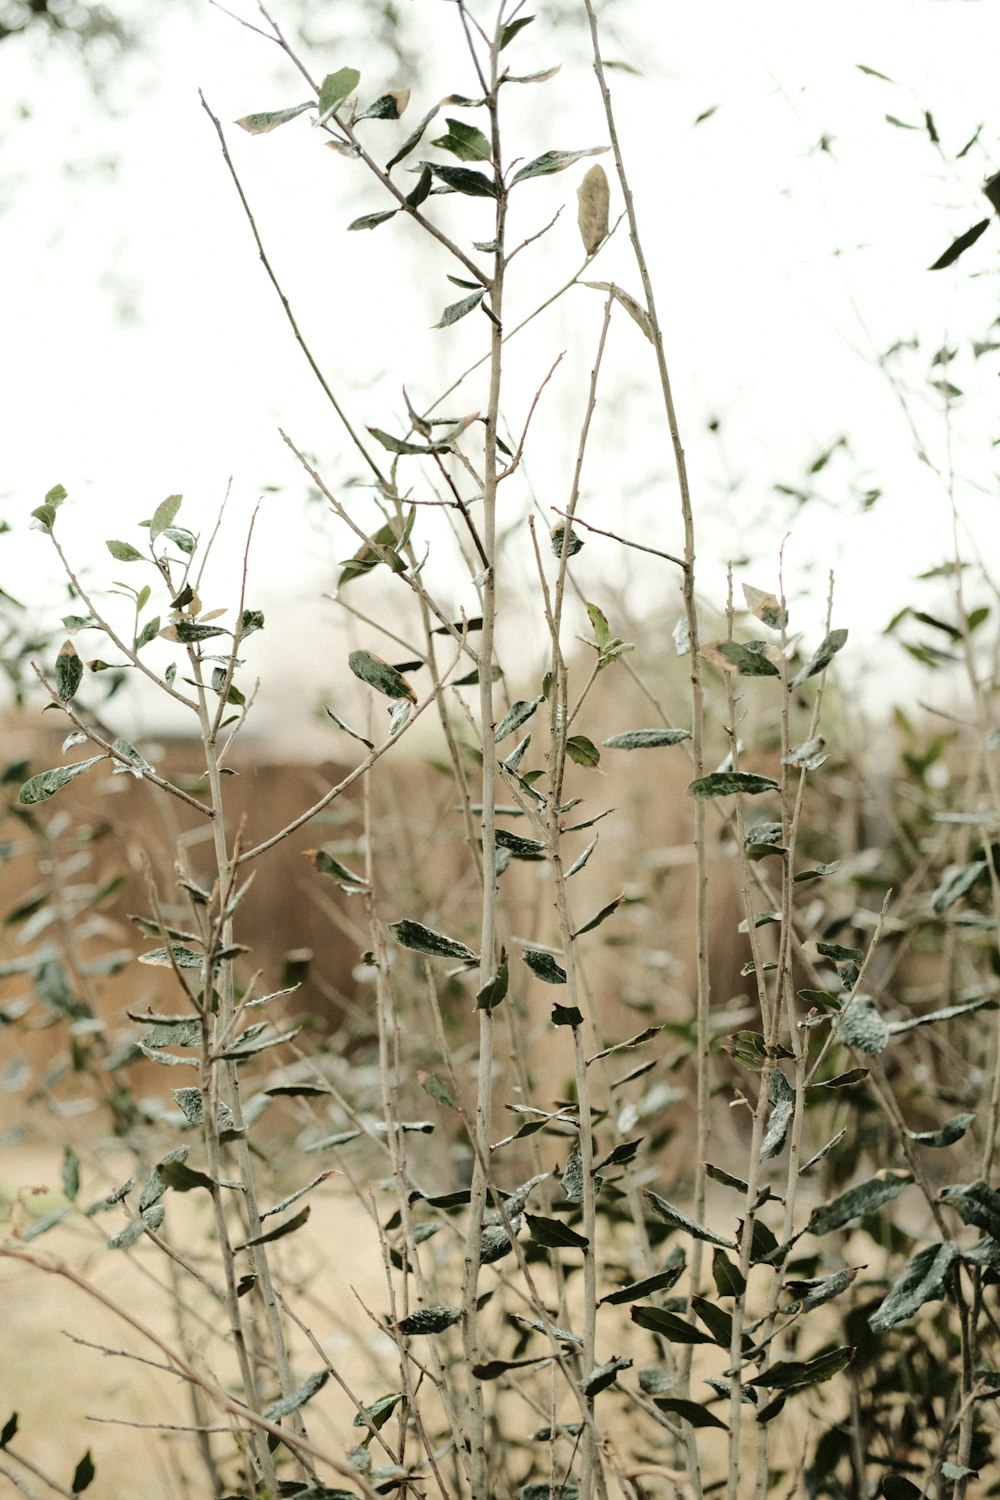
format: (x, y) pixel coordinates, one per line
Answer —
(145, 353)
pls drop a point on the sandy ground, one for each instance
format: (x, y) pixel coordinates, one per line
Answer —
(71, 1397)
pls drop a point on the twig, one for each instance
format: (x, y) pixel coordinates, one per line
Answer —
(625, 541)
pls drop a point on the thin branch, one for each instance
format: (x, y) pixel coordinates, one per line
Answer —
(624, 540)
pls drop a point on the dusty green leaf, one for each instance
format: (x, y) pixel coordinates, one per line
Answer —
(299, 1397)
(164, 514)
(680, 1220)
(863, 1028)
(47, 783)
(743, 659)
(288, 1227)
(69, 672)
(43, 1225)
(372, 221)
(782, 1097)
(518, 713)
(552, 161)
(563, 538)
(456, 310)
(926, 1279)
(544, 966)
(635, 310)
(951, 1131)
(948, 1013)
(124, 551)
(386, 107)
(421, 939)
(975, 1203)
(412, 140)
(604, 1375)
(725, 783)
(858, 1202)
(956, 883)
(380, 675)
(401, 446)
(519, 847)
(430, 1320)
(70, 1173)
(260, 124)
(821, 657)
(189, 632)
(646, 739)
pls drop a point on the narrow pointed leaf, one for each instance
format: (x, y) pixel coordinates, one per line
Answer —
(959, 246)
(552, 161)
(858, 1202)
(260, 124)
(456, 310)
(413, 139)
(421, 939)
(516, 715)
(372, 221)
(674, 1329)
(680, 1220)
(725, 783)
(380, 675)
(463, 180)
(927, 1278)
(299, 1397)
(39, 788)
(430, 1320)
(821, 657)
(646, 739)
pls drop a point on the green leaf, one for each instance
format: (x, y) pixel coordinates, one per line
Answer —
(189, 632)
(493, 993)
(456, 310)
(69, 672)
(430, 1320)
(288, 1227)
(520, 848)
(863, 1028)
(955, 884)
(83, 1474)
(782, 1097)
(725, 783)
(930, 1018)
(748, 662)
(42, 1226)
(465, 142)
(563, 538)
(598, 1380)
(582, 752)
(39, 788)
(567, 1015)
(299, 1397)
(544, 966)
(463, 180)
(511, 29)
(164, 516)
(400, 445)
(9, 1430)
(325, 864)
(260, 124)
(728, 1280)
(661, 1282)
(372, 221)
(602, 916)
(646, 739)
(518, 713)
(124, 552)
(380, 675)
(858, 1202)
(183, 958)
(552, 161)
(927, 1278)
(821, 657)
(679, 1220)
(958, 247)
(553, 1234)
(422, 189)
(669, 1326)
(70, 1173)
(148, 633)
(422, 939)
(689, 1411)
(951, 1131)
(386, 107)
(412, 140)
(336, 87)
(795, 1375)
(975, 1203)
